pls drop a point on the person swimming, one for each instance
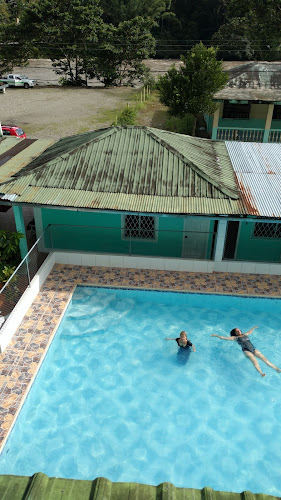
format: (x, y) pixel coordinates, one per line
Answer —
(248, 348)
(184, 347)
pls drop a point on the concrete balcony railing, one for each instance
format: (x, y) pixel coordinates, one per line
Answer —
(247, 135)
(239, 134)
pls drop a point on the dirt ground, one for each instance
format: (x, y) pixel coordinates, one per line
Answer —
(51, 111)
(57, 112)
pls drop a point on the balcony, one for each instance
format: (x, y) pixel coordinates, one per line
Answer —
(247, 135)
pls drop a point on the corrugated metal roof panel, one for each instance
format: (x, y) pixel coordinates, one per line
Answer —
(148, 167)
(7, 143)
(124, 201)
(138, 160)
(40, 486)
(258, 171)
(20, 159)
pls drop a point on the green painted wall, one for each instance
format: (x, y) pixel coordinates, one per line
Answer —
(242, 123)
(101, 232)
(276, 125)
(255, 249)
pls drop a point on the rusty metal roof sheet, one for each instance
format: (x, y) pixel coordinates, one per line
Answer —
(258, 170)
(133, 169)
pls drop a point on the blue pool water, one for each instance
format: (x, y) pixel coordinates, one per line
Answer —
(112, 399)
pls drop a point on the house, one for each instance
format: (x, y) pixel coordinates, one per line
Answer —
(249, 107)
(138, 191)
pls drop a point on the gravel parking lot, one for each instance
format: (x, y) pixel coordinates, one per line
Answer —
(57, 112)
(51, 111)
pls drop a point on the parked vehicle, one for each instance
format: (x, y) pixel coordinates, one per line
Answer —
(13, 80)
(14, 131)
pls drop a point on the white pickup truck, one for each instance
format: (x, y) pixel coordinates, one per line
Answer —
(17, 81)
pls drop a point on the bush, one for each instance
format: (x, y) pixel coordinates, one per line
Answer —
(126, 117)
(9, 248)
(181, 125)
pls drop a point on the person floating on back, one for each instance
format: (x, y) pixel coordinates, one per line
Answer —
(184, 347)
(247, 347)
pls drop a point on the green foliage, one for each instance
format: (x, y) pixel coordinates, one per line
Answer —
(186, 22)
(126, 117)
(66, 31)
(9, 245)
(251, 30)
(180, 125)
(190, 89)
(121, 63)
(117, 11)
(6, 272)
(13, 50)
(4, 12)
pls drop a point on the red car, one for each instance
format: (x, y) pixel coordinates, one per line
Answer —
(14, 131)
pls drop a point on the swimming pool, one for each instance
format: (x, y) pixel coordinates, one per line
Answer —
(112, 399)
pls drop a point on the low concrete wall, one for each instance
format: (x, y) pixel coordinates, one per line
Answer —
(12, 323)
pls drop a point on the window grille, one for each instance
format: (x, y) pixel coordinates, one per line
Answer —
(140, 226)
(267, 230)
(232, 110)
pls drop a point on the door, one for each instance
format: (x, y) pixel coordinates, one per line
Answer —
(195, 238)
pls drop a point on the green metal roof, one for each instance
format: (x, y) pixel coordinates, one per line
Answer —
(131, 169)
(41, 487)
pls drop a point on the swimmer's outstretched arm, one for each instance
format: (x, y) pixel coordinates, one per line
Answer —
(250, 331)
(224, 338)
(193, 348)
(169, 339)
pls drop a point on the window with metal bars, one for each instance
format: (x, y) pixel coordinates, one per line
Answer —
(139, 227)
(267, 230)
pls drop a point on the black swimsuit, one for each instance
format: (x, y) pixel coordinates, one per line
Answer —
(246, 344)
(189, 344)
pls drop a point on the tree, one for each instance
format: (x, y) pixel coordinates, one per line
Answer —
(251, 30)
(65, 31)
(191, 88)
(117, 11)
(118, 60)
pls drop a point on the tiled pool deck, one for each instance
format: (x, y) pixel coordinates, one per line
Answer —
(21, 360)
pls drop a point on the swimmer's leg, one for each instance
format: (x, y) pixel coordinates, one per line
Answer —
(183, 355)
(259, 355)
(252, 358)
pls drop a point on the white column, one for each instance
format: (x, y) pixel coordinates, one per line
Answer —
(268, 122)
(220, 240)
(215, 123)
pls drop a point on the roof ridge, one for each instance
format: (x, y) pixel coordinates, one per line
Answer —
(108, 131)
(227, 191)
